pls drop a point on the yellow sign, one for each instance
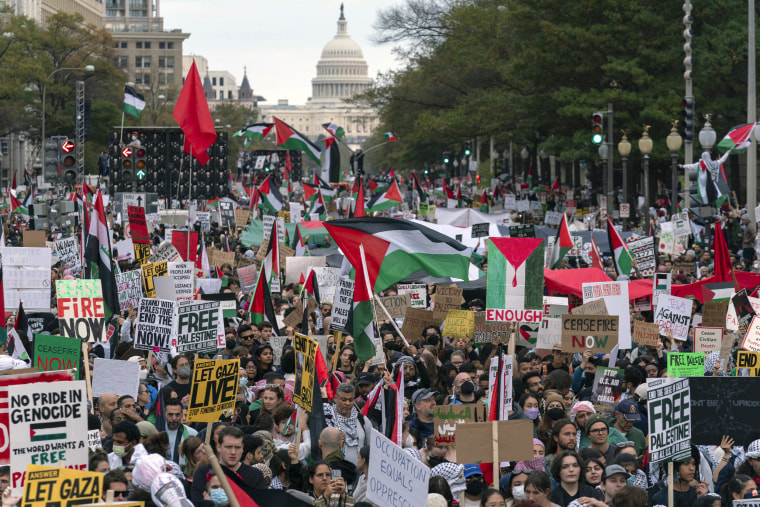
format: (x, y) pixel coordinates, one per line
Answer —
(459, 324)
(149, 271)
(214, 390)
(142, 251)
(60, 486)
(748, 364)
(306, 352)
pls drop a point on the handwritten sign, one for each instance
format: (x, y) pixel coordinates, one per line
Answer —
(669, 406)
(674, 314)
(707, 339)
(396, 306)
(342, 304)
(303, 389)
(129, 288)
(459, 324)
(417, 293)
(447, 417)
(598, 333)
(486, 332)
(645, 333)
(686, 364)
(80, 309)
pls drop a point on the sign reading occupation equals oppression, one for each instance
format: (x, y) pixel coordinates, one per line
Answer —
(515, 280)
(198, 327)
(669, 406)
(214, 389)
(80, 309)
(155, 320)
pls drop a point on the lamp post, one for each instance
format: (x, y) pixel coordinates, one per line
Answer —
(707, 136)
(645, 147)
(86, 68)
(524, 154)
(674, 141)
(545, 169)
(604, 154)
(624, 148)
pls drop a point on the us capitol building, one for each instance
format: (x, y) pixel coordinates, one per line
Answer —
(341, 74)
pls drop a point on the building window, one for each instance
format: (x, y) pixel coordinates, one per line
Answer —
(161, 62)
(147, 45)
(138, 61)
(123, 62)
(138, 78)
(169, 62)
(229, 94)
(146, 79)
(162, 45)
(124, 45)
(170, 77)
(138, 44)
(146, 61)
(162, 79)
(169, 45)
(221, 81)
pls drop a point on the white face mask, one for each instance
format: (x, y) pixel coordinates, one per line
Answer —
(409, 442)
(518, 492)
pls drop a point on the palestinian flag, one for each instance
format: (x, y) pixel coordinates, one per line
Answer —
(515, 273)
(134, 102)
(447, 191)
(330, 169)
(17, 347)
(98, 262)
(359, 209)
(484, 202)
(255, 131)
(421, 195)
(362, 313)
(271, 197)
(389, 137)
(46, 431)
(562, 244)
(16, 206)
(393, 408)
(272, 261)
(311, 287)
(373, 185)
(334, 129)
(596, 255)
(289, 138)
(620, 253)
(318, 205)
(261, 303)
(737, 139)
(555, 187)
(3, 330)
(328, 192)
(712, 186)
(310, 230)
(385, 200)
(373, 397)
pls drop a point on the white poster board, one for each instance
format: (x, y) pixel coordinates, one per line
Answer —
(674, 314)
(26, 277)
(115, 377)
(615, 295)
(395, 477)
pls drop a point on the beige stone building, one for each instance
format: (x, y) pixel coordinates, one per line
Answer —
(40, 10)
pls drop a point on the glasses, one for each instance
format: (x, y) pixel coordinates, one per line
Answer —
(598, 430)
(246, 337)
(120, 493)
(627, 443)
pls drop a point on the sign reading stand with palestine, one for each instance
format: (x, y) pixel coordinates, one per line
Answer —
(306, 352)
(515, 280)
(214, 389)
(80, 309)
(669, 406)
(155, 320)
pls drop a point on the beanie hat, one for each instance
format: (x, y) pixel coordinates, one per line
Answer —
(593, 419)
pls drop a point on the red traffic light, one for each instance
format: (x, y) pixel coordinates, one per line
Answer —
(141, 152)
(127, 152)
(67, 146)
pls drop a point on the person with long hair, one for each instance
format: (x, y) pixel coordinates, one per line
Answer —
(194, 451)
(538, 487)
(684, 494)
(322, 487)
(347, 362)
(280, 465)
(492, 498)
(270, 396)
(530, 407)
(735, 489)
(567, 470)
(264, 357)
(554, 410)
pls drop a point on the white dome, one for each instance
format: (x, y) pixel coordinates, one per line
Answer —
(342, 46)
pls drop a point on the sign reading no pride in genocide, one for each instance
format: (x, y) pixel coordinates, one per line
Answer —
(80, 309)
(214, 389)
(154, 325)
(197, 326)
(669, 405)
(395, 477)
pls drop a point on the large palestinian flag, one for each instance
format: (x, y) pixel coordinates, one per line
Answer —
(290, 139)
(384, 200)
(271, 196)
(515, 274)
(97, 257)
(261, 303)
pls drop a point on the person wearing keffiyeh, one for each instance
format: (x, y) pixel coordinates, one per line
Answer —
(345, 417)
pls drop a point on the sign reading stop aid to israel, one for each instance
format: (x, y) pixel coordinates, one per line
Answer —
(515, 280)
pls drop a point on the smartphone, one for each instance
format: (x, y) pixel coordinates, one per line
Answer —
(336, 474)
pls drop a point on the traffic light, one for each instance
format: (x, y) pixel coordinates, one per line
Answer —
(467, 149)
(51, 161)
(445, 157)
(140, 164)
(127, 165)
(597, 128)
(688, 118)
(68, 162)
(477, 178)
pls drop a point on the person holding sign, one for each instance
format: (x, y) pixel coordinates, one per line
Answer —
(684, 494)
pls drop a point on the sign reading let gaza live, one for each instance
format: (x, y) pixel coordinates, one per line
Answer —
(515, 280)
(80, 309)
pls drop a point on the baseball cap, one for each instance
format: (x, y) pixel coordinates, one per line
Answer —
(422, 394)
(629, 410)
(365, 378)
(471, 469)
(641, 392)
(613, 470)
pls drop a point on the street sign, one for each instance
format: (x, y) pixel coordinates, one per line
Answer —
(133, 199)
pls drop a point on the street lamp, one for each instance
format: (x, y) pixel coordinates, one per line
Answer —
(707, 135)
(524, 154)
(624, 148)
(674, 145)
(545, 176)
(645, 147)
(86, 68)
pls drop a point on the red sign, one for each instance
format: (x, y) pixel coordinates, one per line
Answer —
(137, 225)
(179, 240)
(127, 152)
(67, 146)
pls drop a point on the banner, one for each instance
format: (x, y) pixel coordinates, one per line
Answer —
(67, 250)
(80, 309)
(342, 305)
(155, 320)
(608, 386)
(198, 327)
(395, 477)
(149, 271)
(669, 406)
(26, 277)
(303, 389)
(48, 486)
(515, 279)
(53, 353)
(447, 417)
(417, 292)
(686, 364)
(129, 288)
(674, 314)
(598, 333)
(615, 295)
(48, 427)
(215, 384)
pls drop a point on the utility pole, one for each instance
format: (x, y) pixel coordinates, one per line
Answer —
(751, 114)
(610, 190)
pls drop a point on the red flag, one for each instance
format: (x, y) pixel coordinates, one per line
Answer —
(194, 117)
(722, 262)
(555, 187)
(359, 209)
(288, 167)
(596, 255)
(13, 185)
(372, 185)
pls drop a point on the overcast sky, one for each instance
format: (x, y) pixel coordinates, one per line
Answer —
(280, 41)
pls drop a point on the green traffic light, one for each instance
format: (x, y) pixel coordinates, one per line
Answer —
(141, 175)
(596, 139)
(467, 152)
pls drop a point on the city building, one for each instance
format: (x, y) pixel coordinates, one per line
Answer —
(40, 10)
(221, 86)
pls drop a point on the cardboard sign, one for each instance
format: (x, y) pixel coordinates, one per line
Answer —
(598, 333)
(674, 314)
(486, 332)
(707, 339)
(442, 304)
(35, 239)
(416, 320)
(615, 295)
(607, 389)
(129, 288)
(218, 258)
(447, 417)
(459, 324)
(155, 321)
(54, 353)
(295, 266)
(686, 364)
(68, 253)
(669, 406)
(166, 252)
(595, 307)
(396, 306)
(714, 314)
(747, 364)
(248, 276)
(242, 216)
(49, 427)
(480, 230)
(475, 441)
(197, 328)
(215, 384)
(116, 377)
(395, 477)
(150, 270)
(80, 309)
(342, 305)
(645, 333)
(417, 292)
(515, 279)
(49, 485)
(303, 389)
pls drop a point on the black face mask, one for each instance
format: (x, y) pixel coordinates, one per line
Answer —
(230, 344)
(467, 388)
(435, 461)
(475, 488)
(555, 414)
(589, 378)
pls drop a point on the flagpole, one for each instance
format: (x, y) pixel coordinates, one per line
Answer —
(189, 197)
(121, 133)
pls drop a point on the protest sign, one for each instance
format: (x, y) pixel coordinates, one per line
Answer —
(165, 288)
(669, 410)
(723, 406)
(138, 231)
(52, 353)
(615, 295)
(155, 320)
(661, 285)
(513, 441)
(248, 276)
(549, 333)
(396, 306)
(303, 388)
(522, 231)
(295, 266)
(595, 307)
(686, 364)
(674, 314)
(395, 477)
(480, 230)
(26, 277)
(515, 279)
(197, 328)
(747, 364)
(277, 343)
(447, 417)
(48, 427)
(129, 288)
(445, 299)
(48, 486)
(327, 279)
(552, 218)
(68, 253)
(745, 312)
(752, 338)
(416, 320)
(417, 292)
(227, 303)
(227, 214)
(188, 252)
(598, 333)
(166, 252)
(183, 274)
(295, 319)
(150, 270)
(459, 324)
(645, 333)
(486, 332)
(608, 386)
(204, 219)
(642, 250)
(215, 383)
(555, 306)
(342, 305)
(116, 377)
(509, 202)
(241, 218)
(707, 339)
(93, 440)
(714, 314)
(504, 383)
(80, 309)
(209, 285)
